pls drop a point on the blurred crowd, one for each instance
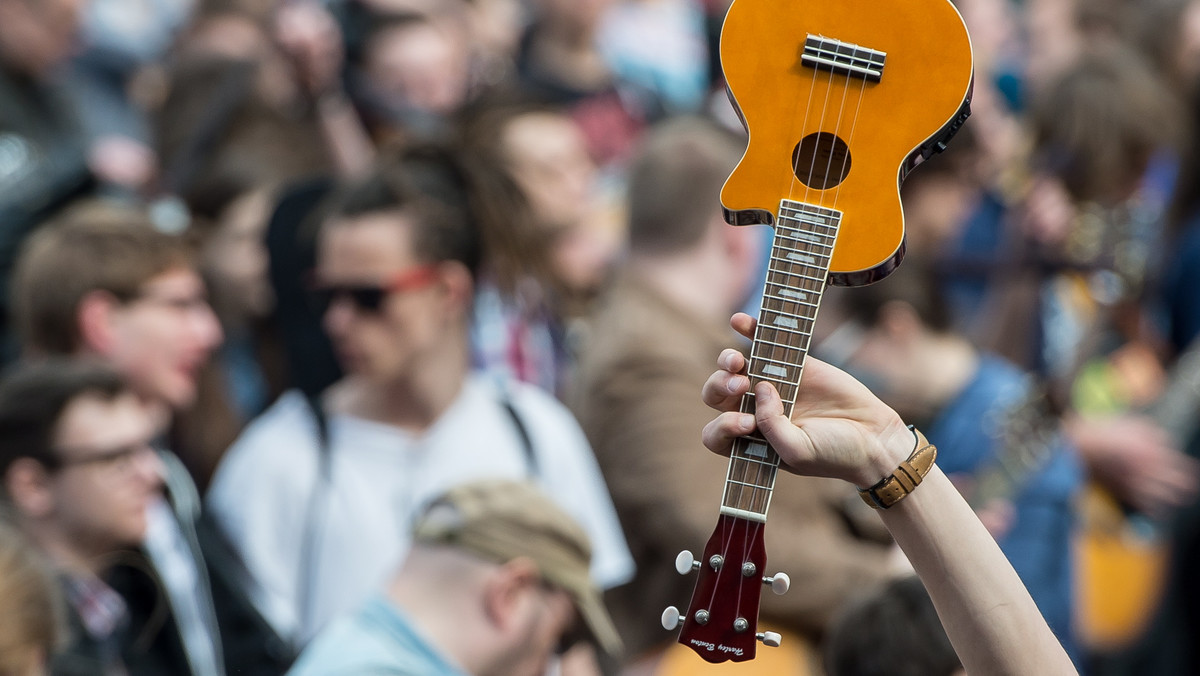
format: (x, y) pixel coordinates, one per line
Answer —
(275, 275)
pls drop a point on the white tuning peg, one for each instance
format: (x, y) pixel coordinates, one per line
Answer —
(769, 638)
(686, 563)
(670, 618)
(780, 583)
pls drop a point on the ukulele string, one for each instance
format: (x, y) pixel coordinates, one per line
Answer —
(862, 92)
(820, 135)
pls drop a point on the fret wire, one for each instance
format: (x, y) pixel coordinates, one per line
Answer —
(774, 344)
(783, 359)
(760, 358)
(803, 232)
(789, 300)
(774, 381)
(756, 460)
(780, 329)
(809, 211)
(782, 314)
(797, 230)
(772, 458)
(813, 208)
(802, 342)
(824, 258)
(783, 234)
(806, 238)
(801, 212)
(802, 284)
(814, 265)
(796, 274)
(807, 226)
(757, 487)
(781, 307)
(766, 316)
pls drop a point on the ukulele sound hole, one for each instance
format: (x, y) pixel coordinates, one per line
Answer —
(821, 160)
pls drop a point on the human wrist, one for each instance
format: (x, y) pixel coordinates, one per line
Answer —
(903, 480)
(894, 446)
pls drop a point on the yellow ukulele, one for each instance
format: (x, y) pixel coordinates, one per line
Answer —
(841, 99)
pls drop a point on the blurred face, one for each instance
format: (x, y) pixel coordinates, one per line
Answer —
(36, 35)
(578, 16)
(496, 26)
(422, 65)
(163, 336)
(549, 160)
(550, 616)
(387, 312)
(1189, 47)
(107, 475)
(236, 257)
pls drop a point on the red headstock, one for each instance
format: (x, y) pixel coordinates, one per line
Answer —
(722, 619)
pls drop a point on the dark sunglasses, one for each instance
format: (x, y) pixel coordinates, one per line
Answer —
(369, 298)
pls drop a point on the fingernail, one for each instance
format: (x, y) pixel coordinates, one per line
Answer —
(733, 383)
(746, 421)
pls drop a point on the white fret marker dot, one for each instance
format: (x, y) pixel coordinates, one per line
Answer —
(757, 449)
(792, 293)
(804, 258)
(789, 322)
(774, 370)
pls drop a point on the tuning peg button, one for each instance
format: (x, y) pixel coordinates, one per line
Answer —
(780, 583)
(670, 618)
(769, 638)
(686, 563)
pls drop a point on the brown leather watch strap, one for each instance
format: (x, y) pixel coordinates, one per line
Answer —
(892, 488)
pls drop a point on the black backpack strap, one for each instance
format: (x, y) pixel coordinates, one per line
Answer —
(506, 400)
(307, 577)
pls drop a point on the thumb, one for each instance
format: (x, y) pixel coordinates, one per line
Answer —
(774, 425)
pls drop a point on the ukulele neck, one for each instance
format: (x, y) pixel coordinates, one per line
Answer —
(799, 266)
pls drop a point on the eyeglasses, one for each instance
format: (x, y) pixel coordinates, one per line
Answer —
(369, 298)
(120, 459)
(198, 303)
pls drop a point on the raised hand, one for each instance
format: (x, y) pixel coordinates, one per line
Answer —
(838, 427)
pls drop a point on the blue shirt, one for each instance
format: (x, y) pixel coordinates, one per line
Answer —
(379, 639)
(968, 433)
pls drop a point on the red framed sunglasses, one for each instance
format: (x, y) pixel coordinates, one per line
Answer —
(368, 297)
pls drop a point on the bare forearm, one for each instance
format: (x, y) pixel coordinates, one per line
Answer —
(349, 145)
(987, 613)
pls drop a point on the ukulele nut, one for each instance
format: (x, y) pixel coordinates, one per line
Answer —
(716, 562)
(749, 569)
(702, 617)
(740, 625)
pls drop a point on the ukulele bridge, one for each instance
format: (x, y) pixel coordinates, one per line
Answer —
(843, 57)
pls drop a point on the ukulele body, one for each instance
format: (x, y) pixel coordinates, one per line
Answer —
(885, 126)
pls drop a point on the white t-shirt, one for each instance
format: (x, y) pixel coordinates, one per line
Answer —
(380, 478)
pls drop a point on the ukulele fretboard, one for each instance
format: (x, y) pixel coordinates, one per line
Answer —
(804, 239)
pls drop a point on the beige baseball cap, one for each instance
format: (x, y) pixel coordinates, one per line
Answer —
(501, 520)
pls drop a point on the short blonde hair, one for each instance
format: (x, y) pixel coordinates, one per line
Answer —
(29, 603)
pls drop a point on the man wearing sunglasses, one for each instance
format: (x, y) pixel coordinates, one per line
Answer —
(319, 496)
(79, 474)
